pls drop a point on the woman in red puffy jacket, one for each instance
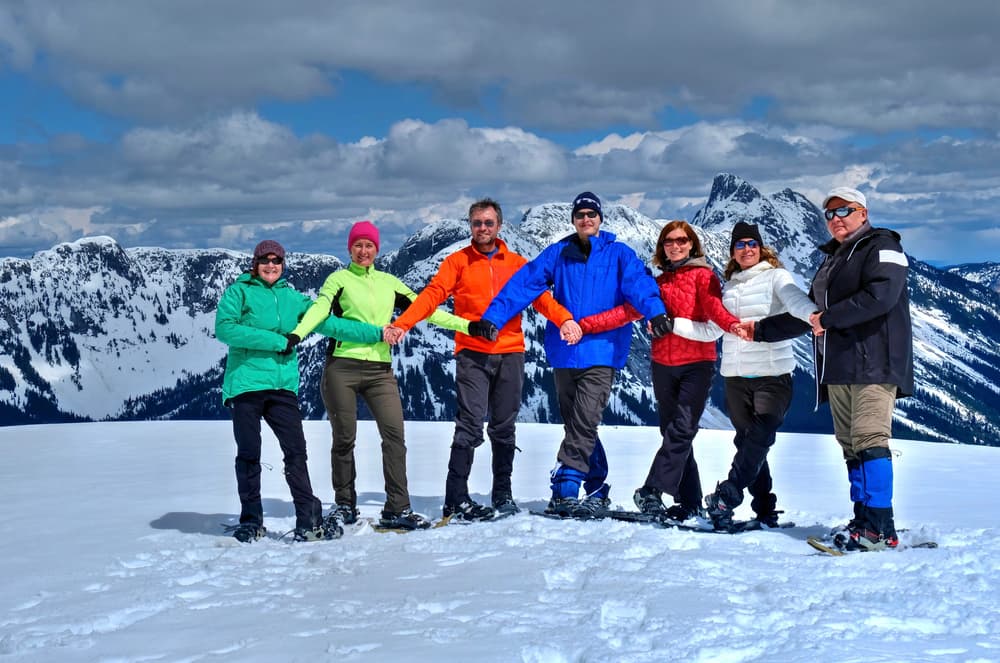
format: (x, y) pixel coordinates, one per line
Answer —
(682, 369)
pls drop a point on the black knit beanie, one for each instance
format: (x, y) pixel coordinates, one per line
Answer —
(744, 230)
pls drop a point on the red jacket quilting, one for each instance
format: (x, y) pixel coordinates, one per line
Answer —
(691, 291)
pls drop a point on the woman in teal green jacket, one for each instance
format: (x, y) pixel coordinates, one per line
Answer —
(361, 292)
(254, 318)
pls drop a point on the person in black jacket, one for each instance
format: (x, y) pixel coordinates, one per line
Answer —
(863, 343)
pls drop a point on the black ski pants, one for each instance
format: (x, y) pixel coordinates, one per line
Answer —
(681, 393)
(487, 386)
(280, 409)
(757, 408)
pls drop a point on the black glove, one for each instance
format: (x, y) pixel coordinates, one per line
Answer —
(293, 340)
(483, 329)
(661, 325)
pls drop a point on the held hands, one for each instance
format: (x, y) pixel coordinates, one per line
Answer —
(816, 324)
(570, 332)
(293, 340)
(743, 329)
(392, 335)
(660, 325)
(483, 329)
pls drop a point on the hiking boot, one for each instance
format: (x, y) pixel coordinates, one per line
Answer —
(720, 513)
(405, 519)
(649, 502)
(769, 519)
(469, 510)
(863, 539)
(505, 505)
(562, 506)
(681, 512)
(310, 534)
(246, 532)
(592, 507)
(343, 514)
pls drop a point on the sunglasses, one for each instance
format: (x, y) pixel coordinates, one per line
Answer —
(483, 224)
(276, 260)
(679, 241)
(746, 244)
(840, 212)
(586, 214)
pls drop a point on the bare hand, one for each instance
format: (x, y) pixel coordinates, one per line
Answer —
(816, 324)
(744, 329)
(570, 332)
(392, 335)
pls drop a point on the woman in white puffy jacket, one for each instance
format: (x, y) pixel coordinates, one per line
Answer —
(758, 375)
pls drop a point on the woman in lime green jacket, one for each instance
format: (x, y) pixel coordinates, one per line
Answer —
(254, 317)
(361, 292)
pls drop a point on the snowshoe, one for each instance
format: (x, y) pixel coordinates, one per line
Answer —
(469, 511)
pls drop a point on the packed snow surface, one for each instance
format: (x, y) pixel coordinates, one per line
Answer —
(113, 550)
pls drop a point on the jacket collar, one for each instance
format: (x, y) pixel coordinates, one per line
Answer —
(749, 273)
(476, 253)
(250, 279)
(359, 270)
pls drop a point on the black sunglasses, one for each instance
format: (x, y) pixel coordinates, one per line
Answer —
(840, 212)
(276, 260)
(489, 223)
(588, 214)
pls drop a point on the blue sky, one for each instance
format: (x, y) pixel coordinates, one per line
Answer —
(188, 124)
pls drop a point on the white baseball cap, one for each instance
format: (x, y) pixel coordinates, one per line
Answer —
(846, 193)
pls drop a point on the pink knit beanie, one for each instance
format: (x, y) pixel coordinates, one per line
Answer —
(363, 230)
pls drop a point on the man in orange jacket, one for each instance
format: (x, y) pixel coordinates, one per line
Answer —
(489, 374)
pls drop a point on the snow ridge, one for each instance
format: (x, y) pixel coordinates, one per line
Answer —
(92, 331)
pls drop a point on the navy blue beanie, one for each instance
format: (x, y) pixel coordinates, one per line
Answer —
(587, 200)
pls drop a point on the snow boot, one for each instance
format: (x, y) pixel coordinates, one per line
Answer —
(764, 508)
(649, 501)
(468, 510)
(680, 513)
(340, 515)
(596, 504)
(312, 534)
(504, 504)
(405, 519)
(564, 507)
(721, 503)
(247, 532)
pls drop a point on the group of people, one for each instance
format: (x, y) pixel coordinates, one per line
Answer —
(591, 288)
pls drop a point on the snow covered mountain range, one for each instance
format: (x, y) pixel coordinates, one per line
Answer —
(92, 331)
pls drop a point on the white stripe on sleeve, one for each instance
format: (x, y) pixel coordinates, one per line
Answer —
(897, 257)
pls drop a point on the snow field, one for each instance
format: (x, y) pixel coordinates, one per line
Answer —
(114, 552)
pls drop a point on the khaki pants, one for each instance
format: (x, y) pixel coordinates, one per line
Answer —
(343, 381)
(862, 416)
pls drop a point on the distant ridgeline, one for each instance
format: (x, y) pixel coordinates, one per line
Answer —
(91, 331)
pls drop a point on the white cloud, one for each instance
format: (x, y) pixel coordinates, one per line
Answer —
(222, 181)
(909, 65)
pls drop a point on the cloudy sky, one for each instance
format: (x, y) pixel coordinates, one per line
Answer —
(186, 123)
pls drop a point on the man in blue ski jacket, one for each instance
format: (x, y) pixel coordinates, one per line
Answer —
(589, 272)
